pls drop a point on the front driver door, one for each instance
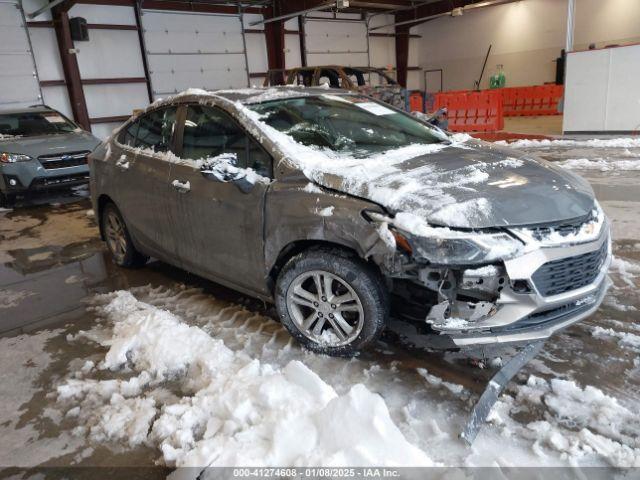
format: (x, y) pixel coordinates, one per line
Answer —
(143, 190)
(219, 226)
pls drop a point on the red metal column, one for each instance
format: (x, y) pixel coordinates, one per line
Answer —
(70, 66)
(274, 35)
(402, 54)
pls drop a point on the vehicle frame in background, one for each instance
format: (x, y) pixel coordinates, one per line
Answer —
(375, 82)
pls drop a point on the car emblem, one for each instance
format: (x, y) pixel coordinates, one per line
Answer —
(64, 158)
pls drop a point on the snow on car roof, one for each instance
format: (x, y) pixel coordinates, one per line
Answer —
(257, 94)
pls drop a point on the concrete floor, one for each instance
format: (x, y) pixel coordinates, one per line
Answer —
(52, 262)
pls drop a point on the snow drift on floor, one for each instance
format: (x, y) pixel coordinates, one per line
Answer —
(592, 143)
(600, 164)
(234, 410)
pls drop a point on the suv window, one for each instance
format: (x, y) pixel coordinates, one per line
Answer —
(209, 132)
(128, 135)
(155, 129)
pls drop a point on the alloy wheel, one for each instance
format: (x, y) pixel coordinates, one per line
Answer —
(114, 231)
(325, 308)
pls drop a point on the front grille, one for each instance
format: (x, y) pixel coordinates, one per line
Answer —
(63, 160)
(570, 273)
(564, 229)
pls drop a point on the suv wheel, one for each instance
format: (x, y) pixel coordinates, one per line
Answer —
(331, 301)
(7, 200)
(118, 239)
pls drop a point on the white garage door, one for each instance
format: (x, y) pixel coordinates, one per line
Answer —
(187, 50)
(19, 86)
(336, 42)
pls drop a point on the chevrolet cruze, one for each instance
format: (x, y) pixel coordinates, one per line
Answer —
(343, 211)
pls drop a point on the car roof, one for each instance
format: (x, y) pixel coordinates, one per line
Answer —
(264, 94)
(34, 108)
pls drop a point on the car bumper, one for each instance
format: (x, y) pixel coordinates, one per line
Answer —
(23, 177)
(526, 317)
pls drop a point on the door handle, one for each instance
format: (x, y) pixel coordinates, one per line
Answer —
(181, 187)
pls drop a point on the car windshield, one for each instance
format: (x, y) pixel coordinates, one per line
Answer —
(350, 124)
(30, 124)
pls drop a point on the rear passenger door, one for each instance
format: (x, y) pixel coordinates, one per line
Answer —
(219, 229)
(143, 181)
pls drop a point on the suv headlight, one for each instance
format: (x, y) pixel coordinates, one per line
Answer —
(444, 246)
(13, 157)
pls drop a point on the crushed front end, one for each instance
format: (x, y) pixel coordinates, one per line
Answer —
(502, 286)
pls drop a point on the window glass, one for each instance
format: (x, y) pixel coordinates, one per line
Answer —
(128, 135)
(210, 132)
(354, 125)
(155, 129)
(32, 124)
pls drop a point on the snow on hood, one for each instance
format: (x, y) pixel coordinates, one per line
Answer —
(458, 183)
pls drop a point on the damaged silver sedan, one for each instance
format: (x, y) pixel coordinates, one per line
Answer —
(344, 211)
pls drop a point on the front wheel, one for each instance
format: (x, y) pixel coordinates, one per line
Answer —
(331, 301)
(118, 239)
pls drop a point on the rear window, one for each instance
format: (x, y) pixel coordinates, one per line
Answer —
(31, 124)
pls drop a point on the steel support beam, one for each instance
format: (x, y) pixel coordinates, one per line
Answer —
(402, 54)
(571, 14)
(274, 36)
(70, 66)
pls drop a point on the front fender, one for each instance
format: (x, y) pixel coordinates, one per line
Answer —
(304, 211)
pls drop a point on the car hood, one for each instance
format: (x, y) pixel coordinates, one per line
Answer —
(469, 185)
(50, 144)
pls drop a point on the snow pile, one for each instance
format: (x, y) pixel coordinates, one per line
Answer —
(625, 339)
(592, 143)
(229, 409)
(627, 270)
(600, 164)
(580, 422)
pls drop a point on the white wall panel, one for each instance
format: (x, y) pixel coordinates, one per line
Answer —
(58, 98)
(18, 78)
(46, 53)
(30, 6)
(602, 92)
(195, 50)
(104, 130)
(292, 55)
(336, 42)
(111, 14)
(115, 99)
(110, 54)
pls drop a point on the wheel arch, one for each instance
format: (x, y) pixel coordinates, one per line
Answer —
(103, 201)
(298, 246)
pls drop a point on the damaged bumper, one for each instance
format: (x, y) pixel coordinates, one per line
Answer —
(541, 292)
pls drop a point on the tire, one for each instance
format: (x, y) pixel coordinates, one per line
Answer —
(359, 299)
(7, 200)
(118, 240)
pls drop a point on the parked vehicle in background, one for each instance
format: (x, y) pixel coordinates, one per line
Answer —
(41, 149)
(374, 82)
(330, 204)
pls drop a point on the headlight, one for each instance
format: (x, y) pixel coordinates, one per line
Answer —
(464, 248)
(443, 246)
(13, 157)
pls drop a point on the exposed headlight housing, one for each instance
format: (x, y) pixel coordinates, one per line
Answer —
(465, 248)
(444, 246)
(6, 157)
